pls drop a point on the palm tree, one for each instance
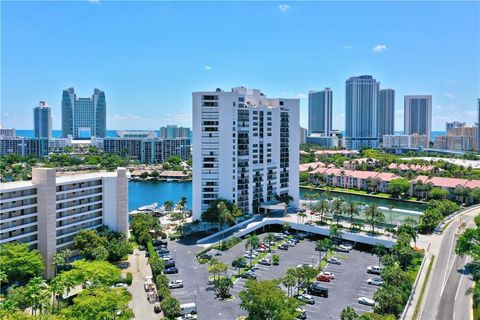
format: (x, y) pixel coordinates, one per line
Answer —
(336, 234)
(337, 208)
(374, 216)
(268, 239)
(379, 250)
(251, 244)
(475, 292)
(289, 281)
(60, 259)
(57, 288)
(38, 293)
(301, 216)
(286, 227)
(352, 209)
(168, 205)
(322, 208)
(285, 198)
(322, 245)
(182, 204)
(390, 209)
(224, 216)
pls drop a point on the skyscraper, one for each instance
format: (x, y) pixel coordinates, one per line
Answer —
(386, 112)
(361, 112)
(320, 112)
(246, 148)
(418, 115)
(83, 118)
(42, 122)
(454, 124)
(173, 132)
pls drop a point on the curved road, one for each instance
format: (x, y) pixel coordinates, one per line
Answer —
(445, 292)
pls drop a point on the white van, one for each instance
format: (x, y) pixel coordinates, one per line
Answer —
(188, 308)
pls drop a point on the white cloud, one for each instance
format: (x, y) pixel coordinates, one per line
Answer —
(448, 95)
(348, 47)
(379, 48)
(284, 7)
(207, 67)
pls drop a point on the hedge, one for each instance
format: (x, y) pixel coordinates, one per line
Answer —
(129, 278)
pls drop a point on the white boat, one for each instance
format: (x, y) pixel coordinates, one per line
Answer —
(150, 207)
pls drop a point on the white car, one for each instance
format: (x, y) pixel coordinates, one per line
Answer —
(175, 284)
(120, 285)
(375, 281)
(265, 262)
(374, 269)
(305, 265)
(187, 317)
(347, 246)
(343, 248)
(334, 260)
(366, 301)
(329, 274)
(306, 298)
(250, 256)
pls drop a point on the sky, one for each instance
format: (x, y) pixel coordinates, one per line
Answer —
(149, 57)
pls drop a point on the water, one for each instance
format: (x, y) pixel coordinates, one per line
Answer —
(142, 193)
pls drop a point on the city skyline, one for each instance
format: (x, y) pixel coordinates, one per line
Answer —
(159, 82)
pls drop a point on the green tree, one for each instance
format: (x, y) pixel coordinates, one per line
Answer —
(469, 243)
(100, 304)
(100, 273)
(224, 217)
(19, 262)
(170, 307)
(374, 216)
(251, 244)
(275, 259)
(289, 281)
(60, 259)
(322, 207)
(321, 246)
(38, 295)
(337, 209)
(267, 301)
(90, 245)
(379, 250)
(438, 193)
(168, 205)
(222, 286)
(174, 160)
(286, 199)
(336, 234)
(352, 209)
(238, 263)
(142, 224)
(157, 265)
(118, 249)
(398, 186)
(304, 176)
(212, 214)
(269, 238)
(348, 313)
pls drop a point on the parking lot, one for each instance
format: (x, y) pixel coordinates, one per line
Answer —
(350, 281)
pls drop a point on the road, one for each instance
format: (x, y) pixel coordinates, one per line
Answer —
(445, 292)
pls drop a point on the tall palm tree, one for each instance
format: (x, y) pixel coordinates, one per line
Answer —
(292, 276)
(336, 234)
(322, 208)
(390, 209)
(352, 209)
(301, 216)
(285, 198)
(224, 216)
(268, 239)
(374, 215)
(337, 208)
(168, 205)
(251, 244)
(57, 288)
(322, 245)
(379, 250)
(60, 259)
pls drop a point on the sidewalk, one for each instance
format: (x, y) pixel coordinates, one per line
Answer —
(139, 268)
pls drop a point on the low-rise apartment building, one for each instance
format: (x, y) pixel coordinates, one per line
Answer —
(48, 211)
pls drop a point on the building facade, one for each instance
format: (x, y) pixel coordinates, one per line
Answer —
(320, 112)
(142, 134)
(418, 115)
(37, 147)
(321, 140)
(405, 141)
(8, 132)
(246, 150)
(303, 135)
(48, 211)
(459, 139)
(148, 150)
(361, 112)
(42, 120)
(386, 112)
(454, 124)
(174, 132)
(83, 118)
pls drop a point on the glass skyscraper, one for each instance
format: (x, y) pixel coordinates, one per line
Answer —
(386, 112)
(83, 118)
(320, 112)
(361, 112)
(418, 115)
(42, 122)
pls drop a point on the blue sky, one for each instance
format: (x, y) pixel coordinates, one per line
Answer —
(150, 56)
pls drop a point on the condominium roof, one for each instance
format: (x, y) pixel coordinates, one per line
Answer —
(310, 166)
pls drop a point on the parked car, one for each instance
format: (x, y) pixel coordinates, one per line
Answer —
(334, 260)
(250, 255)
(279, 235)
(375, 281)
(304, 265)
(290, 243)
(329, 274)
(175, 284)
(323, 278)
(347, 245)
(123, 264)
(316, 289)
(301, 313)
(249, 275)
(207, 256)
(306, 298)
(120, 285)
(169, 263)
(283, 247)
(158, 243)
(163, 250)
(366, 301)
(265, 262)
(374, 269)
(170, 270)
(343, 248)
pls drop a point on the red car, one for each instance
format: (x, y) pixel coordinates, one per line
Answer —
(324, 278)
